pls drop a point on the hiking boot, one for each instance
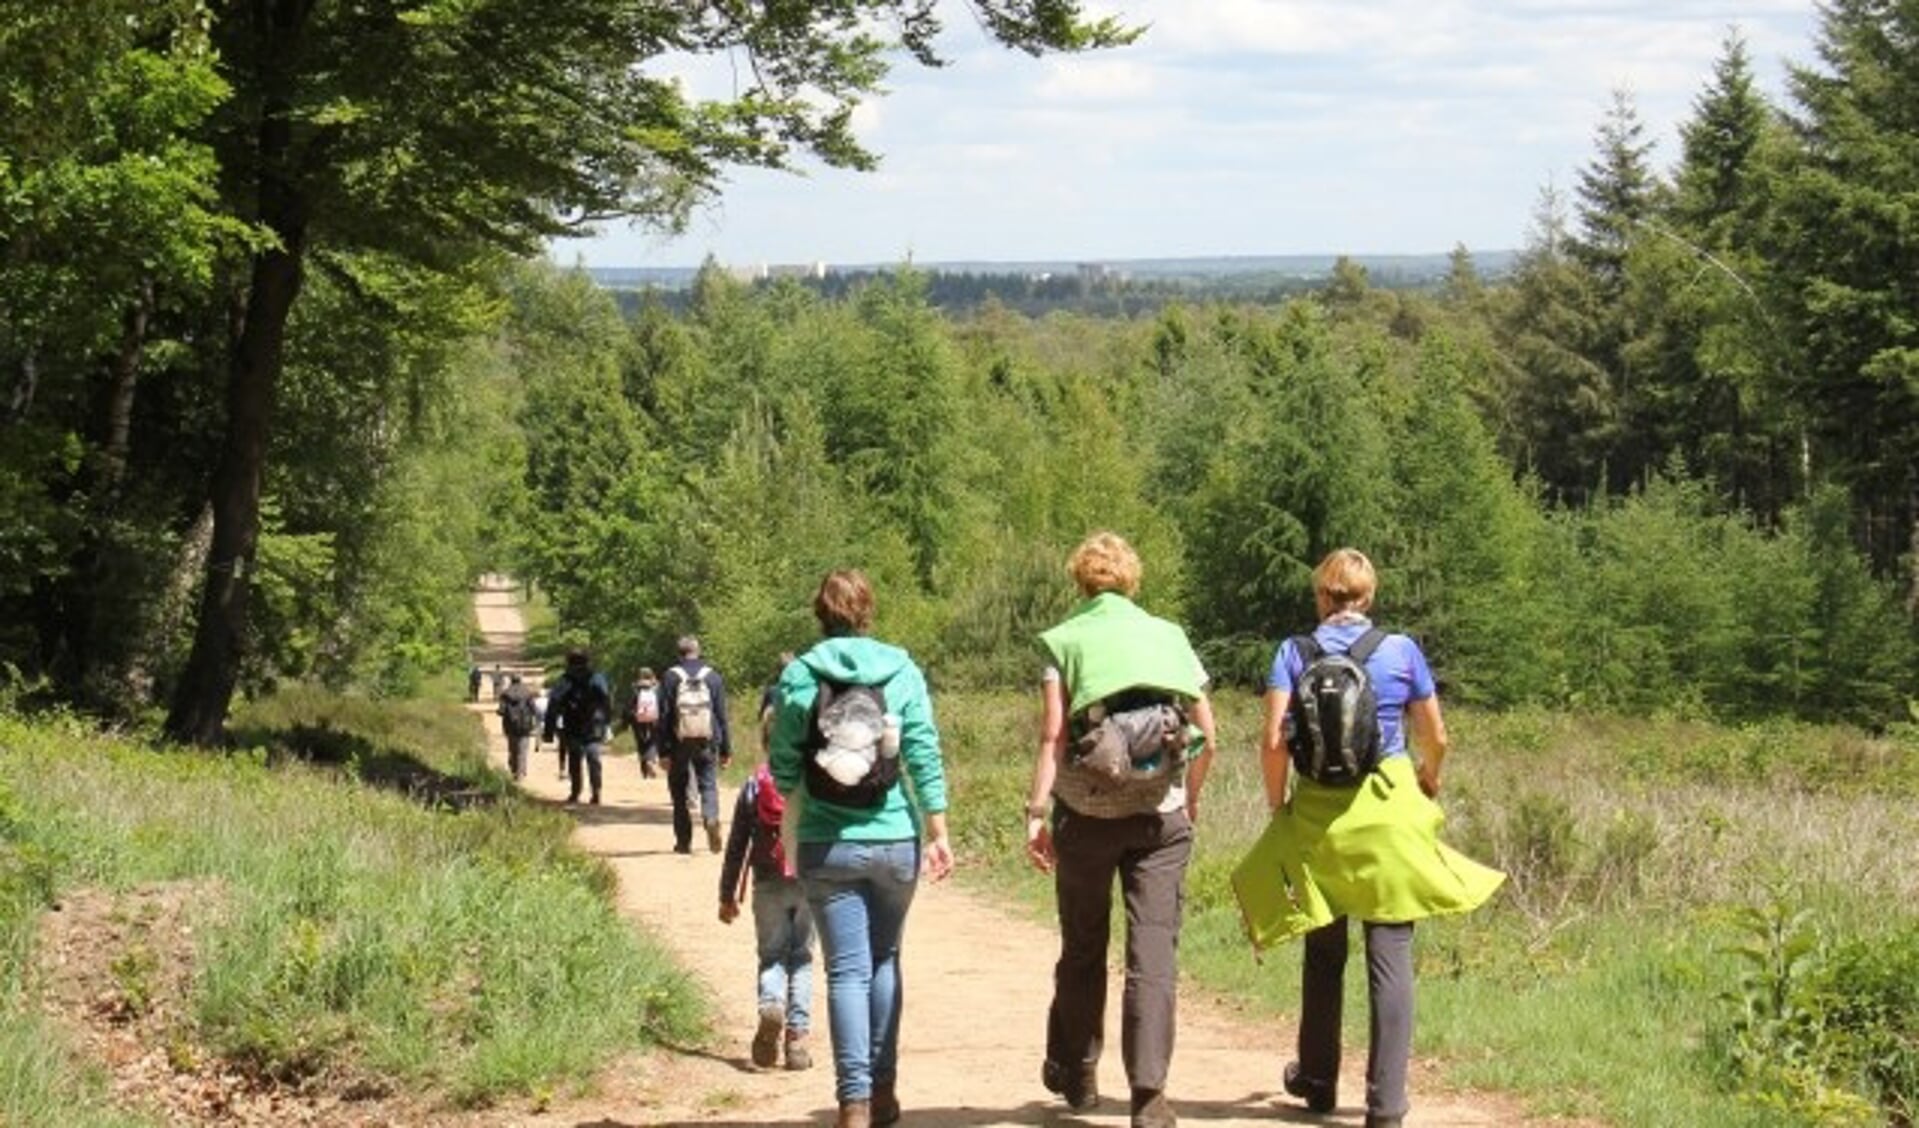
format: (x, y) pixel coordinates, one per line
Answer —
(1078, 1087)
(682, 847)
(886, 1104)
(1320, 1096)
(855, 1114)
(713, 835)
(798, 1057)
(596, 799)
(1384, 1121)
(766, 1040)
(1150, 1110)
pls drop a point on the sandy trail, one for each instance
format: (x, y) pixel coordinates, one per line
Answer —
(977, 982)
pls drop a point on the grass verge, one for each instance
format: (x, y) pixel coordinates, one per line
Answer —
(461, 949)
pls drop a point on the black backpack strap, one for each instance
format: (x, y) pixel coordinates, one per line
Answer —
(1307, 647)
(1363, 646)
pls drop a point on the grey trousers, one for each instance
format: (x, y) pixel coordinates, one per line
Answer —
(1389, 981)
(1148, 853)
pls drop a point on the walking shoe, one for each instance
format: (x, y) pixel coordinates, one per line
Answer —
(886, 1104)
(855, 1114)
(1384, 1121)
(798, 1057)
(573, 800)
(1150, 1110)
(596, 799)
(713, 835)
(1079, 1087)
(682, 847)
(766, 1040)
(1320, 1096)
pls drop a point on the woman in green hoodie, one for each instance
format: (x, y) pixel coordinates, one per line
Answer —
(1126, 738)
(859, 835)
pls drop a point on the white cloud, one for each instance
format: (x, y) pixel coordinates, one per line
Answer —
(1244, 126)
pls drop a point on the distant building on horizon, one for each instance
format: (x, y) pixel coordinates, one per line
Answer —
(766, 272)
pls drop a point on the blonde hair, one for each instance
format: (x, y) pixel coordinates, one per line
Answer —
(844, 603)
(1344, 581)
(1105, 562)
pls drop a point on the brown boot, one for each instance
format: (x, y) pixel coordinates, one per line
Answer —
(886, 1104)
(855, 1114)
(713, 836)
(1150, 1110)
(1079, 1084)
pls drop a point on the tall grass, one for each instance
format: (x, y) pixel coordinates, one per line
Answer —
(1603, 980)
(356, 931)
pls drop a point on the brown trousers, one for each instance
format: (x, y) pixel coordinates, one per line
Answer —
(1149, 854)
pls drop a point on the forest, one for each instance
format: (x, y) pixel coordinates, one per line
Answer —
(268, 411)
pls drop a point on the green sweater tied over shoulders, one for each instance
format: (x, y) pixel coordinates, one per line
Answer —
(1107, 644)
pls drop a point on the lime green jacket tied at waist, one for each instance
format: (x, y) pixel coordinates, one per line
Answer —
(857, 660)
(1108, 644)
(1371, 852)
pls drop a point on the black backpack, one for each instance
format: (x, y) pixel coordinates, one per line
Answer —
(1333, 717)
(834, 702)
(585, 710)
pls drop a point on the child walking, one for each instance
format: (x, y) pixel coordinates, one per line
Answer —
(781, 921)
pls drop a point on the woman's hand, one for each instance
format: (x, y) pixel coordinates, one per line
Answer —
(1039, 844)
(939, 858)
(1428, 773)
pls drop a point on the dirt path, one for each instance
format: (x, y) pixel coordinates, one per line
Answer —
(977, 982)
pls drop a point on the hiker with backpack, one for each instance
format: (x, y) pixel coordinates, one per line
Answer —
(642, 716)
(693, 724)
(852, 729)
(580, 707)
(782, 923)
(1354, 832)
(519, 721)
(1126, 739)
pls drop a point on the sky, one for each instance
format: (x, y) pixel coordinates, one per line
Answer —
(1233, 127)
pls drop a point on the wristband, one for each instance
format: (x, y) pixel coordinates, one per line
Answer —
(1035, 811)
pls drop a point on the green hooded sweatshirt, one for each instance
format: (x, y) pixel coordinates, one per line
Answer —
(1108, 644)
(854, 660)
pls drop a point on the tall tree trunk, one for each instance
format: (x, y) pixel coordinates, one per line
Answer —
(258, 354)
(117, 431)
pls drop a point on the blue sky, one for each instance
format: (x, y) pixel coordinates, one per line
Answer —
(1234, 127)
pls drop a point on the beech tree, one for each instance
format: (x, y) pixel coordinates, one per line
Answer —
(435, 130)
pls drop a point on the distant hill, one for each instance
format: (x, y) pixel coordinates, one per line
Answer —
(1385, 270)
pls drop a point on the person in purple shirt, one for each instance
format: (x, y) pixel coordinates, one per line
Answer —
(1366, 849)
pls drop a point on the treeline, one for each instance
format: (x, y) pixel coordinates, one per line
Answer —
(263, 426)
(700, 473)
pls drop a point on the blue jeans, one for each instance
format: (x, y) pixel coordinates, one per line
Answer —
(693, 763)
(783, 928)
(577, 751)
(860, 892)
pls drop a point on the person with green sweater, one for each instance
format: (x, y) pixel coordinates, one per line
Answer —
(1126, 738)
(1366, 850)
(855, 750)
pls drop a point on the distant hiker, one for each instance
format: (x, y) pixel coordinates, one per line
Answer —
(1355, 831)
(693, 725)
(499, 681)
(519, 721)
(473, 683)
(853, 724)
(581, 709)
(782, 923)
(770, 700)
(1126, 739)
(642, 716)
